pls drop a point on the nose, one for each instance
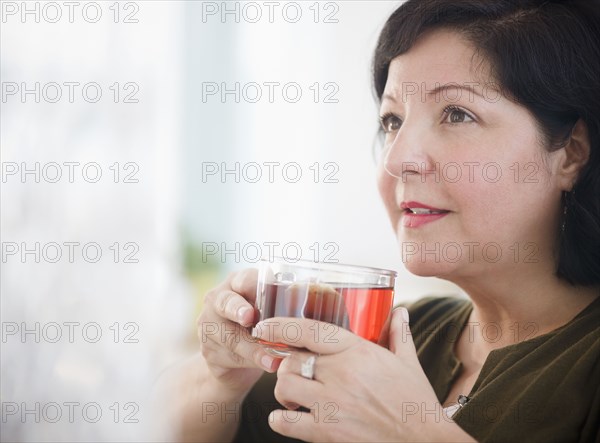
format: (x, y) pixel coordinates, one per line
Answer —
(409, 153)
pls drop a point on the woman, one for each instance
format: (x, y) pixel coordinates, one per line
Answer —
(490, 174)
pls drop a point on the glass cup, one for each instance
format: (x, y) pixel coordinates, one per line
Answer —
(352, 297)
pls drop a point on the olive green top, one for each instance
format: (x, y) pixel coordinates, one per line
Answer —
(544, 389)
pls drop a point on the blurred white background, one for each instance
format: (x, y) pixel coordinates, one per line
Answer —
(167, 221)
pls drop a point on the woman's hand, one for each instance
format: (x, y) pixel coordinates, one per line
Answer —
(232, 356)
(360, 391)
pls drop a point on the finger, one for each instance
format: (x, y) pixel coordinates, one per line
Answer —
(234, 307)
(244, 283)
(236, 347)
(316, 336)
(217, 355)
(293, 390)
(384, 335)
(293, 364)
(296, 424)
(228, 333)
(401, 341)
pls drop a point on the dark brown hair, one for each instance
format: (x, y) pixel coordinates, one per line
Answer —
(545, 55)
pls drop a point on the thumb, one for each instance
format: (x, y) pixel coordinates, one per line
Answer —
(401, 342)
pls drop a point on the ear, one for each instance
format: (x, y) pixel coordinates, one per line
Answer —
(576, 155)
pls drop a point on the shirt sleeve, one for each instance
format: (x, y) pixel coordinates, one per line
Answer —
(254, 421)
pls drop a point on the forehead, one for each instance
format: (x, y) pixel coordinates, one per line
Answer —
(437, 58)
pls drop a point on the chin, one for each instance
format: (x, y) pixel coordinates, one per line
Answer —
(428, 268)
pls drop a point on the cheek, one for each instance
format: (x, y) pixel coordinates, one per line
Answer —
(386, 185)
(507, 206)
(508, 178)
(482, 204)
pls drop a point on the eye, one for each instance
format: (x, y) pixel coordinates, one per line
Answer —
(454, 114)
(390, 122)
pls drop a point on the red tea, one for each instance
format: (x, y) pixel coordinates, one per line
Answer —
(360, 309)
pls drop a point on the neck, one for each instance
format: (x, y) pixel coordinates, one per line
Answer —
(520, 307)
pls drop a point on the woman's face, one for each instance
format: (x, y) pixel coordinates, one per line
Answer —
(467, 183)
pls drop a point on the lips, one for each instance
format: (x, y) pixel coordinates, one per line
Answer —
(417, 214)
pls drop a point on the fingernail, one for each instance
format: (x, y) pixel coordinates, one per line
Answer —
(242, 312)
(267, 362)
(404, 313)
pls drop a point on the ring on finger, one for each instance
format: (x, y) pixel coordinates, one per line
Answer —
(307, 370)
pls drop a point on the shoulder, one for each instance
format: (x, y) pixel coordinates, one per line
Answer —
(543, 389)
(437, 318)
(434, 309)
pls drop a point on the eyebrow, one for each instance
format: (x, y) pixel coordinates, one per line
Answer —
(388, 97)
(438, 90)
(445, 87)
